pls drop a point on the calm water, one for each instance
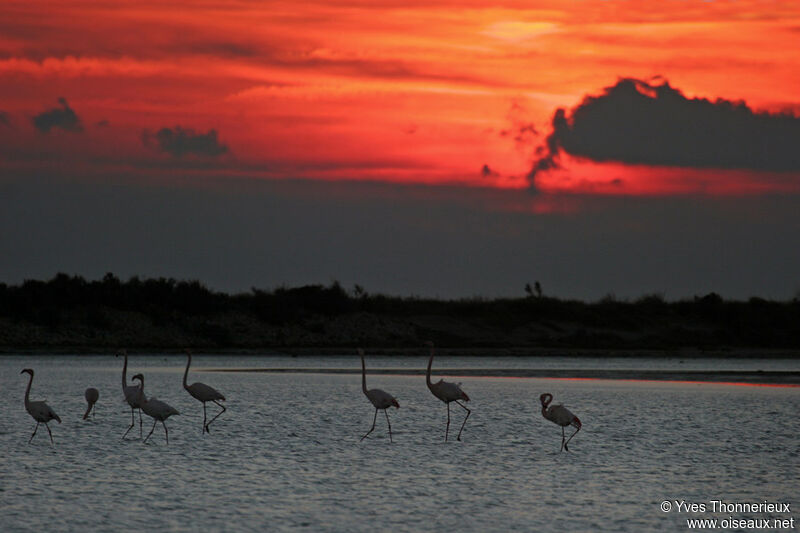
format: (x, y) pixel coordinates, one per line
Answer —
(286, 455)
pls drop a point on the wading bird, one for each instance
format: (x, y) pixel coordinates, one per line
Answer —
(132, 396)
(560, 415)
(203, 393)
(40, 411)
(379, 398)
(155, 408)
(447, 392)
(91, 396)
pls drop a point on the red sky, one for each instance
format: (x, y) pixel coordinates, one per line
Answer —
(408, 92)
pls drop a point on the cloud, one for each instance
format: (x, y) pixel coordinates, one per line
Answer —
(522, 131)
(636, 122)
(63, 117)
(184, 141)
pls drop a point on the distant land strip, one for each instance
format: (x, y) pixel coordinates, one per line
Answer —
(748, 377)
(69, 313)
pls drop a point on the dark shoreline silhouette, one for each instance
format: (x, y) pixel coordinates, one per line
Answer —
(69, 314)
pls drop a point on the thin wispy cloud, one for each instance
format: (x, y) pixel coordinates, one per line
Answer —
(179, 142)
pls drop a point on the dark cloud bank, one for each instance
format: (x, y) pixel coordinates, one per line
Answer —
(180, 141)
(637, 122)
(407, 240)
(63, 117)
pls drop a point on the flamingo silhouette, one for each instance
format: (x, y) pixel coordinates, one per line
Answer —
(203, 393)
(40, 411)
(91, 396)
(379, 398)
(560, 415)
(132, 396)
(155, 408)
(447, 392)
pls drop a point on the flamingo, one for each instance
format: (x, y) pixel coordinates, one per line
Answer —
(91, 396)
(203, 393)
(560, 415)
(379, 398)
(154, 408)
(447, 392)
(132, 396)
(40, 411)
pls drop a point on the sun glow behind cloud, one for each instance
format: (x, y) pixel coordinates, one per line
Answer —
(399, 92)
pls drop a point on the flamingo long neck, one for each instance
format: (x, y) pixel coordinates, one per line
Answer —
(28, 391)
(186, 373)
(142, 397)
(428, 374)
(363, 375)
(125, 371)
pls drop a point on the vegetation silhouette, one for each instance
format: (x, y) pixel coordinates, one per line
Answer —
(71, 313)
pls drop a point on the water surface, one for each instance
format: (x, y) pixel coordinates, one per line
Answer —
(286, 455)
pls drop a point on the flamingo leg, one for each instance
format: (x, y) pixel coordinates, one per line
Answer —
(374, 418)
(570, 438)
(151, 431)
(465, 418)
(166, 433)
(447, 429)
(51, 435)
(140, 421)
(562, 439)
(223, 410)
(389, 423)
(133, 423)
(205, 427)
(34, 432)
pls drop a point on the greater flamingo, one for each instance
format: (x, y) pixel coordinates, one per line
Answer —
(91, 396)
(40, 411)
(560, 415)
(379, 398)
(447, 392)
(203, 393)
(155, 408)
(132, 396)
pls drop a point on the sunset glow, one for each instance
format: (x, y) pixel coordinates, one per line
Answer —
(403, 92)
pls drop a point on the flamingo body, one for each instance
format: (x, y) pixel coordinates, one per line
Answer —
(560, 415)
(39, 411)
(204, 393)
(448, 392)
(157, 409)
(381, 399)
(91, 396)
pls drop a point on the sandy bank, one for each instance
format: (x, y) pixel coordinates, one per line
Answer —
(750, 377)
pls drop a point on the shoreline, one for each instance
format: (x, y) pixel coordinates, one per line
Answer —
(743, 377)
(721, 352)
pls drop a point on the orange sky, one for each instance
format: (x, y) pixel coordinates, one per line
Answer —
(409, 92)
